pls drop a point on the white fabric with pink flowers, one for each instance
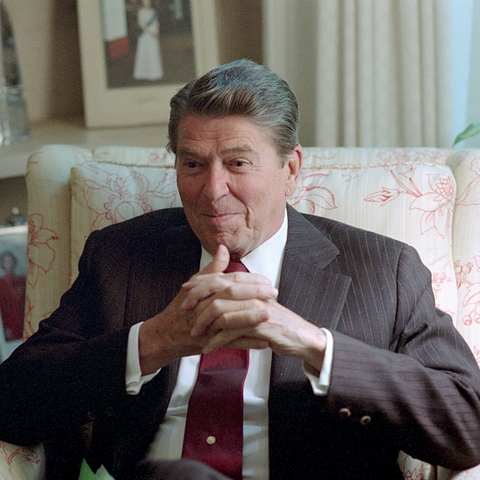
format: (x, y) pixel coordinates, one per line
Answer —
(429, 198)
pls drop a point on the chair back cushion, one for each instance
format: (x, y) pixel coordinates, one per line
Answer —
(408, 194)
(404, 193)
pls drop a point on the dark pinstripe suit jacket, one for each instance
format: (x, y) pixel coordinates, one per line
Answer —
(402, 378)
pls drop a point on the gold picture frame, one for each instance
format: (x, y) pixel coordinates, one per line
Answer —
(126, 100)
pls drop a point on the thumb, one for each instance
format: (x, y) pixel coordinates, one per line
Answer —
(220, 261)
(217, 265)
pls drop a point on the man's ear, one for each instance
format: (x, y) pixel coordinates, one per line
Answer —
(293, 167)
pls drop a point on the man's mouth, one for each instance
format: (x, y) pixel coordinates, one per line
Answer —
(218, 216)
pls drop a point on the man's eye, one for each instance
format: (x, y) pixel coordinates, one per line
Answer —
(190, 164)
(238, 163)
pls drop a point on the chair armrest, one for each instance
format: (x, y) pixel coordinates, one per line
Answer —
(21, 462)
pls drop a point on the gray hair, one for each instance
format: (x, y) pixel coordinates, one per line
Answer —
(241, 88)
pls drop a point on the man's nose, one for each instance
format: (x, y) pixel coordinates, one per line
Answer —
(216, 183)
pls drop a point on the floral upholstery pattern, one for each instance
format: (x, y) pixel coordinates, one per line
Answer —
(429, 198)
(466, 245)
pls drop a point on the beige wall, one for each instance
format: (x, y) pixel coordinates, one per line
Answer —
(12, 195)
(47, 45)
(239, 29)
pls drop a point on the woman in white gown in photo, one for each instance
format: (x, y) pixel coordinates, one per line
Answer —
(148, 57)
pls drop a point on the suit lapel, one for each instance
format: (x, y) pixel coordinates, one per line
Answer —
(307, 286)
(175, 246)
(310, 288)
(158, 270)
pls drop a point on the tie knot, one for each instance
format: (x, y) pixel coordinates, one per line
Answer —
(236, 266)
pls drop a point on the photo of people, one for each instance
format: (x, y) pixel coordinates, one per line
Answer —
(147, 42)
(148, 57)
(13, 251)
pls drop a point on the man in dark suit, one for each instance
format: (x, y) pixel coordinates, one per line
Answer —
(349, 360)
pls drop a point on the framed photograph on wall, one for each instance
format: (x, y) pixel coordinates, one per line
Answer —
(13, 272)
(136, 54)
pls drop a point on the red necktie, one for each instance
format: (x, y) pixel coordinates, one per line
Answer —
(214, 428)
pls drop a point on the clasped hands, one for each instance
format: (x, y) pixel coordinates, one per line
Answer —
(215, 309)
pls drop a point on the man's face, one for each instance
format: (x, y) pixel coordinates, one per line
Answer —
(230, 181)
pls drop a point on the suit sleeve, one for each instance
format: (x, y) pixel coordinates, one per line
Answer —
(70, 369)
(423, 391)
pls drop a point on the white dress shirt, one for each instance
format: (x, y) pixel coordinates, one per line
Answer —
(168, 443)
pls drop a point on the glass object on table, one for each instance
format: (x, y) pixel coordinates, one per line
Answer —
(13, 111)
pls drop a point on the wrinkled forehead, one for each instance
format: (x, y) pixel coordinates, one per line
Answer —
(234, 132)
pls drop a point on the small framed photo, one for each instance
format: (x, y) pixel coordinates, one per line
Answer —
(13, 273)
(136, 54)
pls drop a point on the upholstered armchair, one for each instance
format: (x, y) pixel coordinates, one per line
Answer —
(429, 198)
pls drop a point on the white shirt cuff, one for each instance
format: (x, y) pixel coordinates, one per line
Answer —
(320, 381)
(133, 375)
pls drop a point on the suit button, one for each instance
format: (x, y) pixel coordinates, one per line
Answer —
(344, 412)
(365, 420)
